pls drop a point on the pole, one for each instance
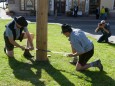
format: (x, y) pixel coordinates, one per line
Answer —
(41, 31)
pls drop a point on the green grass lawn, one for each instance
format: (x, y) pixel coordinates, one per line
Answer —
(58, 71)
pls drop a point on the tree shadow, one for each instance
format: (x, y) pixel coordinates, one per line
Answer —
(98, 78)
(54, 73)
(22, 71)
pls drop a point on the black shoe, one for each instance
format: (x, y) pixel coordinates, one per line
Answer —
(74, 61)
(27, 54)
(4, 50)
(99, 65)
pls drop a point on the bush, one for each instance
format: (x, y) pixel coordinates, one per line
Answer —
(69, 13)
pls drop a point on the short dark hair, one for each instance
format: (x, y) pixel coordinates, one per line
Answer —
(66, 28)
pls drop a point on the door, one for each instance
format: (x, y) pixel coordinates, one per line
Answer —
(59, 6)
(93, 4)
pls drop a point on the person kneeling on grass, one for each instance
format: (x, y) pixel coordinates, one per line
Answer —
(17, 30)
(105, 29)
(83, 46)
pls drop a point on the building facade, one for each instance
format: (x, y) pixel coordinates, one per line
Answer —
(60, 6)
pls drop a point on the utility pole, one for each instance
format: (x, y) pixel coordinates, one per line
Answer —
(41, 31)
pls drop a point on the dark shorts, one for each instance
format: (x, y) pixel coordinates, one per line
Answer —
(8, 45)
(83, 59)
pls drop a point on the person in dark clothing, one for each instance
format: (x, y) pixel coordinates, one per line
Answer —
(17, 30)
(105, 29)
(97, 12)
(75, 11)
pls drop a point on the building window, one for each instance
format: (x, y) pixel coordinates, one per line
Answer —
(27, 5)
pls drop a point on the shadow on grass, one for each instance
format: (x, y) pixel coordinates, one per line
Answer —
(54, 73)
(98, 78)
(112, 44)
(23, 71)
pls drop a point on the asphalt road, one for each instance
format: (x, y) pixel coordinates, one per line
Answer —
(85, 25)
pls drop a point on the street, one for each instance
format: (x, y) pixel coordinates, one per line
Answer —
(88, 26)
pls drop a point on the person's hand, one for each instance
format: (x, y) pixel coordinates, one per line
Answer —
(100, 26)
(22, 47)
(70, 55)
(32, 48)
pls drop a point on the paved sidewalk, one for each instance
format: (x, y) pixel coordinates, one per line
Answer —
(3, 14)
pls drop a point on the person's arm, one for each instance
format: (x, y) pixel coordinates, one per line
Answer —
(106, 30)
(30, 39)
(79, 50)
(73, 54)
(9, 34)
(97, 29)
(15, 43)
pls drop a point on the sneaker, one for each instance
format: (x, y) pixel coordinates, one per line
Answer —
(99, 65)
(74, 61)
(27, 54)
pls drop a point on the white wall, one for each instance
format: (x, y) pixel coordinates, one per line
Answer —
(68, 4)
(107, 4)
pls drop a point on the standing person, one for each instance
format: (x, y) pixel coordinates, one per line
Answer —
(82, 46)
(97, 12)
(105, 29)
(17, 30)
(75, 11)
(102, 13)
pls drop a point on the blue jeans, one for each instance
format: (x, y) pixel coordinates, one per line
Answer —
(103, 16)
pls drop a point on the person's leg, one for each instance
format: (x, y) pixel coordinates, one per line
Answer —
(9, 53)
(106, 38)
(96, 63)
(83, 59)
(26, 52)
(79, 67)
(25, 37)
(101, 39)
(97, 16)
(8, 49)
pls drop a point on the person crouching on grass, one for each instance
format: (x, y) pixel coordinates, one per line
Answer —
(17, 30)
(105, 29)
(83, 46)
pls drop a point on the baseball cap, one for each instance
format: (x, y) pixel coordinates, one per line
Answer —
(66, 28)
(102, 21)
(21, 21)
